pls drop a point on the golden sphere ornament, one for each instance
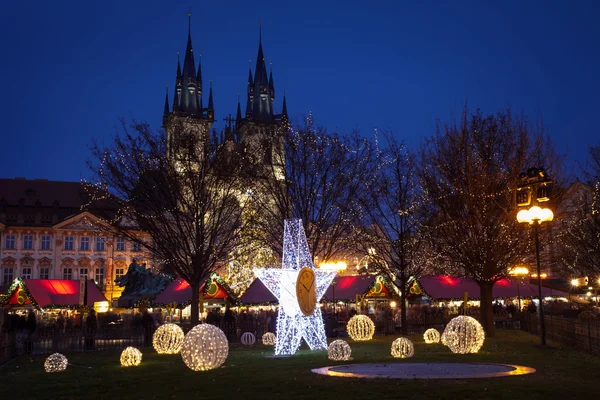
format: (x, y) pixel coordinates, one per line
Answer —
(55, 363)
(131, 357)
(168, 339)
(248, 339)
(360, 328)
(431, 336)
(339, 350)
(464, 335)
(402, 348)
(269, 339)
(205, 347)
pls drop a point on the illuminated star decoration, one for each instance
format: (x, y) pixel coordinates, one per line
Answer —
(292, 324)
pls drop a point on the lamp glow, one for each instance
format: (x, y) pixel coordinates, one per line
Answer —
(168, 339)
(131, 357)
(431, 336)
(360, 328)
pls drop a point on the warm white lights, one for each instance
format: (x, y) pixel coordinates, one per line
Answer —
(360, 327)
(431, 336)
(168, 339)
(337, 266)
(402, 348)
(55, 363)
(339, 350)
(131, 357)
(518, 271)
(269, 339)
(534, 214)
(292, 324)
(248, 339)
(393, 304)
(205, 347)
(464, 335)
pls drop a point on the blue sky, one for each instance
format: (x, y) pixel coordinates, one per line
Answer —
(70, 68)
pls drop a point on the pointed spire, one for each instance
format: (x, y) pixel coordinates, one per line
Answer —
(199, 77)
(177, 91)
(166, 109)
(188, 102)
(238, 115)
(211, 108)
(271, 84)
(284, 112)
(261, 106)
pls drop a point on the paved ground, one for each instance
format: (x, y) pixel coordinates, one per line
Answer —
(424, 370)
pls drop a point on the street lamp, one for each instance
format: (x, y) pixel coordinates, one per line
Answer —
(535, 216)
(519, 273)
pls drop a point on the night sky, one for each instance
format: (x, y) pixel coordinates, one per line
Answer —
(70, 69)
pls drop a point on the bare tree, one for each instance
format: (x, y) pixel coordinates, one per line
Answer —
(391, 231)
(188, 201)
(469, 170)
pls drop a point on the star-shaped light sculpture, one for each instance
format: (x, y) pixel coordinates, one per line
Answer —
(292, 323)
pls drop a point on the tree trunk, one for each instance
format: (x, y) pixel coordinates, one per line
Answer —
(194, 311)
(403, 309)
(485, 308)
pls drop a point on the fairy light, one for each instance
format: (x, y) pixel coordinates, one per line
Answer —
(292, 324)
(431, 336)
(168, 339)
(464, 335)
(248, 339)
(360, 328)
(269, 339)
(339, 350)
(55, 363)
(205, 347)
(131, 357)
(402, 348)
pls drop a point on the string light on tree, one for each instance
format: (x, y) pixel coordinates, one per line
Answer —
(339, 350)
(248, 339)
(402, 348)
(55, 363)
(205, 347)
(269, 339)
(168, 339)
(131, 357)
(431, 336)
(360, 328)
(464, 335)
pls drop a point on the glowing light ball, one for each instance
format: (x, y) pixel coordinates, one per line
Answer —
(168, 339)
(55, 363)
(131, 357)
(205, 347)
(269, 339)
(248, 339)
(402, 348)
(339, 350)
(360, 327)
(431, 336)
(464, 335)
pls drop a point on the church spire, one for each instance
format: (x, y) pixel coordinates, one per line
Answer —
(271, 85)
(166, 110)
(259, 99)
(284, 112)
(177, 93)
(199, 83)
(238, 115)
(189, 98)
(211, 107)
(250, 90)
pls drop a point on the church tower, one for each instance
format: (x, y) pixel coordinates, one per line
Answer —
(187, 116)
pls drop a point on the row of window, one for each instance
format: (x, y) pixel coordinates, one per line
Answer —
(27, 273)
(69, 244)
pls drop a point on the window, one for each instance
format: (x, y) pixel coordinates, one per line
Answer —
(119, 272)
(68, 273)
(99, 244)
(45, 242)
(137, 246)
(83, 272)
(10, 242)
(7, 276)
(28, 242)
(120, 244)
(69, 242)
(85, 243)
(26, 272)
(99, 276)
(44, 273)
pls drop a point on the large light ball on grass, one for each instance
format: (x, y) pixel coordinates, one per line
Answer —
(205, 347)
(131, 357)
(55, 363)
(464, 335)
(402, 348)
(269, 339)
(168, 339)
(248, 339)
(339, 350)
(360, 327)
(431, 336)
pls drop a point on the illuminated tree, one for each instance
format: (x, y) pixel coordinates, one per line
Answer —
(468, 171)
(178, 191)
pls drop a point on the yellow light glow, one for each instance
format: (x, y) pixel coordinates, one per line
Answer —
(535, 213)
(431, 336)
(360, 328)
(101, 306)
(574, 282)
(205, 347)
(518, 271)
(269, 339)
(168, 339)
(131, 357)
(337, 266)
(463, 335)
(393, 304)
(402, 348)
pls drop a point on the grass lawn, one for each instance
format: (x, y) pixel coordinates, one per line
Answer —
(562, 373)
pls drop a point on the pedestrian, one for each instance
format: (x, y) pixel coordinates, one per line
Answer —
(91, 323)
(148, 324)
